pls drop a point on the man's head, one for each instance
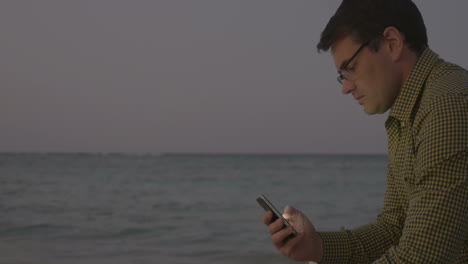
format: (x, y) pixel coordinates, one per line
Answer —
(375, 44)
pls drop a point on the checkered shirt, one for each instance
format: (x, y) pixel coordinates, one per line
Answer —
(425, 213)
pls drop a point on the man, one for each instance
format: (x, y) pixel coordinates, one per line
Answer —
(380, 50)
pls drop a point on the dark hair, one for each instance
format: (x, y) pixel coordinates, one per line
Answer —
(366, 20)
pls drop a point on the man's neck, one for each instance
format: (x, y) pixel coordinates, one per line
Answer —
(410, 58)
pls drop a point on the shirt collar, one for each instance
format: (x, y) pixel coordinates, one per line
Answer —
(413, 86)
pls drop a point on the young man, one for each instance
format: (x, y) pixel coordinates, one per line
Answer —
(380, 50)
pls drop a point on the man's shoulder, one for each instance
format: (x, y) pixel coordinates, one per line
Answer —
(445, 80)
(445, 93)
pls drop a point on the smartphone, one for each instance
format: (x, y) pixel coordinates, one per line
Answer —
(268, 206)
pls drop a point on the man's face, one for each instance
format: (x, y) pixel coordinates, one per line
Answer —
(372, 78)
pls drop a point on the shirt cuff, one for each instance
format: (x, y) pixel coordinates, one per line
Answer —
(336, 247)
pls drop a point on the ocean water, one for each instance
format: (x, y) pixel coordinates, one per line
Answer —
(187, 209)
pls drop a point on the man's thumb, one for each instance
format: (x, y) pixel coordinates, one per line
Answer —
(289, 212)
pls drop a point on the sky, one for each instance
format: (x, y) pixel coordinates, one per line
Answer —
(210, 76)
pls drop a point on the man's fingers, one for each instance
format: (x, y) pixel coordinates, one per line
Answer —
(276, 226)
(267, 218)
(281, 237)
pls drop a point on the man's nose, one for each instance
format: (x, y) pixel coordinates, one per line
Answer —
(348, 86)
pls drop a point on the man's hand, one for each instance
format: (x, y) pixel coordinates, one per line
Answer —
(306, 246)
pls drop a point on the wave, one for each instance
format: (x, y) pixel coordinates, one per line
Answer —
(128, 232)
(33, 228)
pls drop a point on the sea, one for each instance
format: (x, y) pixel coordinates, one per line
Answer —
(103, 208)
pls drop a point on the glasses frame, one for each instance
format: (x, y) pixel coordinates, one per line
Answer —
(341, 77)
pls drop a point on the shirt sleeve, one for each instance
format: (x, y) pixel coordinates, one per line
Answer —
(369, 242)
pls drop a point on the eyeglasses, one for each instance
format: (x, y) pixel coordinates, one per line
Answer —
(345, 72)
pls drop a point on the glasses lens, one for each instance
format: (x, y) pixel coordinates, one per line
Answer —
(343, 76)
(340, 79)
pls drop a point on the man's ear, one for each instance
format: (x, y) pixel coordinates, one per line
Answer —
(394, 41)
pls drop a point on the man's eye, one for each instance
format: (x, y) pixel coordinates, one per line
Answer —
(351, 69)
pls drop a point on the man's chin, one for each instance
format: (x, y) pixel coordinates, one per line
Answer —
(374, 110)
(371, 111)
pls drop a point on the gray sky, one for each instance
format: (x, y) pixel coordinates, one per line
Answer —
(187, 76)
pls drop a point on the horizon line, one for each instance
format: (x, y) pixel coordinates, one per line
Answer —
(188, 153)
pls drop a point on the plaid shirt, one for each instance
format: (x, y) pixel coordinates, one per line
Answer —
(425, 213)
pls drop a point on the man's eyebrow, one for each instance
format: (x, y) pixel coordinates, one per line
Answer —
(344, 64)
